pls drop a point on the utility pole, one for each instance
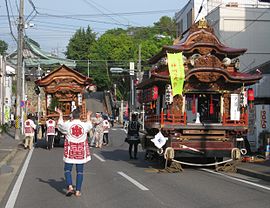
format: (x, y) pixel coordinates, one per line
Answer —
(2, 87)
(88, 66)
(19, 69)
(131, 74)
(139, 66)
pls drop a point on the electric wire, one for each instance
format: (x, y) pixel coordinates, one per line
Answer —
(9, 22)
(113, 13)
(91, 4)
(248, 25)
(200, 9)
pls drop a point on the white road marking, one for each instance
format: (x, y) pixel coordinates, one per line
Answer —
(6, 150)
(116, 129)
(237, 179)
(136, 183)
(98, 157)
(15, 191)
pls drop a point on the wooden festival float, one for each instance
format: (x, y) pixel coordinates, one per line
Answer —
(211, 114)
(64, 88)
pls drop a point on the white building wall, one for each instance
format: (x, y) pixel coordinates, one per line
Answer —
(10, 73)
(262, 89)
(245, 25)
(259, 125)
(244, 28)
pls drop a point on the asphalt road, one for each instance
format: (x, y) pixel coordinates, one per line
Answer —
(111, 180)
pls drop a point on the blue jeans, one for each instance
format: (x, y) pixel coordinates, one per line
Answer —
(79, 176)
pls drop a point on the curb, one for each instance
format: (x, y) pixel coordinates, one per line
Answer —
(4, 168)
(253, 173)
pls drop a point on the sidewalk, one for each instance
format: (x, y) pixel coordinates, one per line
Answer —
(259, 170)
(8, 149)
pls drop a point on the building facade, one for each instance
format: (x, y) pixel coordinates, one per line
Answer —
(241, 24)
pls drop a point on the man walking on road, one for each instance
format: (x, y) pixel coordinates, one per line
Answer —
(29, 132)
(76, 149)
(98, 134)
(50, 130)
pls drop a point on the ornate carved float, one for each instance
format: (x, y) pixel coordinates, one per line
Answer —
(64, 88)
(212, 81)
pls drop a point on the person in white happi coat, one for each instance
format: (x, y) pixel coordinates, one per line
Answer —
(98, 134)
(29, 132)
(76, 148)
(50, 131)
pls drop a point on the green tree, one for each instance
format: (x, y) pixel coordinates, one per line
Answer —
(81, 43)
(166, 26)
(3, 47)
(116, 48)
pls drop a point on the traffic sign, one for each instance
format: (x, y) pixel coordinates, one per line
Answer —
(116, 70)
(131, 68)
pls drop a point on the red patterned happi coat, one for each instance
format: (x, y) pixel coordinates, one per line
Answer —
(76, 148)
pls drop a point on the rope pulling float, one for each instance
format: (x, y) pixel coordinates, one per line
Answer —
(229, 165)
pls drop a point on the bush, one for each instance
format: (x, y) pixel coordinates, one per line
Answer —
(4, 128)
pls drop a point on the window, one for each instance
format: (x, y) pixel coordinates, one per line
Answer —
(189, 18)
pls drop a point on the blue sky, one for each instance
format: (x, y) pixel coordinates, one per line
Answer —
(53, 22)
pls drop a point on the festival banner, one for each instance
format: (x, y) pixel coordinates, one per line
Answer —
(177, 72)
(235, 107)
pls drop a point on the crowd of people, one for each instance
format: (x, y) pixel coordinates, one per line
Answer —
(79, 136)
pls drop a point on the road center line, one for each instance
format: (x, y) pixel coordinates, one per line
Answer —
(15, 191)
(237, 179)
(98, 157)
(136, 183)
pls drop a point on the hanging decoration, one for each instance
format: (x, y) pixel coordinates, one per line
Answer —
(150, 94)
(211, 105)
(250, 97)
(234, 108)
(154, 104)
(168, 94)
(177, 72)
(79, 99)
(194, 104)
(243, 97)
(159, 140)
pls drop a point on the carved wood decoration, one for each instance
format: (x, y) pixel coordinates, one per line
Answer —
(204, 38)
(226, 103)
(207, 76)
(208, 61)
(202, 24)
(64, 85)
(176, 107)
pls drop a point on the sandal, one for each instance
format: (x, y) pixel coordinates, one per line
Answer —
(70, 191)
(78, 193)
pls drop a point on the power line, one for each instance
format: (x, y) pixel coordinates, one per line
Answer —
(248, 25)
(113, 13)
(91, 4)
(9, 22)
(150, 12)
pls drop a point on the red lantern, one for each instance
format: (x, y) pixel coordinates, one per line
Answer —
(250, 94)
(194, 104)
(211, 105)
(154, 92)
(250, 97)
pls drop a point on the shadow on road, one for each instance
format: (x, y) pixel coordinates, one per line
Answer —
(57, 185)
(123, 155)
